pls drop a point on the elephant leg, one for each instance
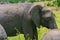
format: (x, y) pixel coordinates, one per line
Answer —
(35, 33)
(30, 31)
(3, 35)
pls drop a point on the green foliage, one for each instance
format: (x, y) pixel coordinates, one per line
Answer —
(32, 1)
(49, 4)
(41, 32)
(9, 1)
(18, 37)
(16, 1)
(22, 0)
(13, 1)
(58, 3)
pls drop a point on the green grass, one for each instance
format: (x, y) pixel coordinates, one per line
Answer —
(18, 37)
(41, 31)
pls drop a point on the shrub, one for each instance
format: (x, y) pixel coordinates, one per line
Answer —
(58, 3)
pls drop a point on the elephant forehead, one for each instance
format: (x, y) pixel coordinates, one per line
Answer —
(48, 14)
(44, 9)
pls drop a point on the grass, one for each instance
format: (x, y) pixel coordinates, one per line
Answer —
(41, 31)
(18, 37)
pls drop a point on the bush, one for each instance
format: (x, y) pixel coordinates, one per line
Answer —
(13, 1)
(32, 1)
(9, 1)
(58, 3)
(50, 4)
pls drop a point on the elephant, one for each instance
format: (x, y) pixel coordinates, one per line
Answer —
(25, 17)
(53, 34)
(3, 35)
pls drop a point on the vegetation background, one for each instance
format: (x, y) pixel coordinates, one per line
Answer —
(51, 4)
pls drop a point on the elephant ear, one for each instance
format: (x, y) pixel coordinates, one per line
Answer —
(34, 12)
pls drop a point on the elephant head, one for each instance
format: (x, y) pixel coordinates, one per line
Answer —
(42, 16)
(47, 18)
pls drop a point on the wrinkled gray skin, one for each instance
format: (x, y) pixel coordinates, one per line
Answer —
(25, 17)
(52, 35)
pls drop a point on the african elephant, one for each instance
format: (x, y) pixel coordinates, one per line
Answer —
(52, 35)
(25, 17)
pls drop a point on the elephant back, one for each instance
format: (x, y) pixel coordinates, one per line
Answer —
(11, 16)
(53, 34)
